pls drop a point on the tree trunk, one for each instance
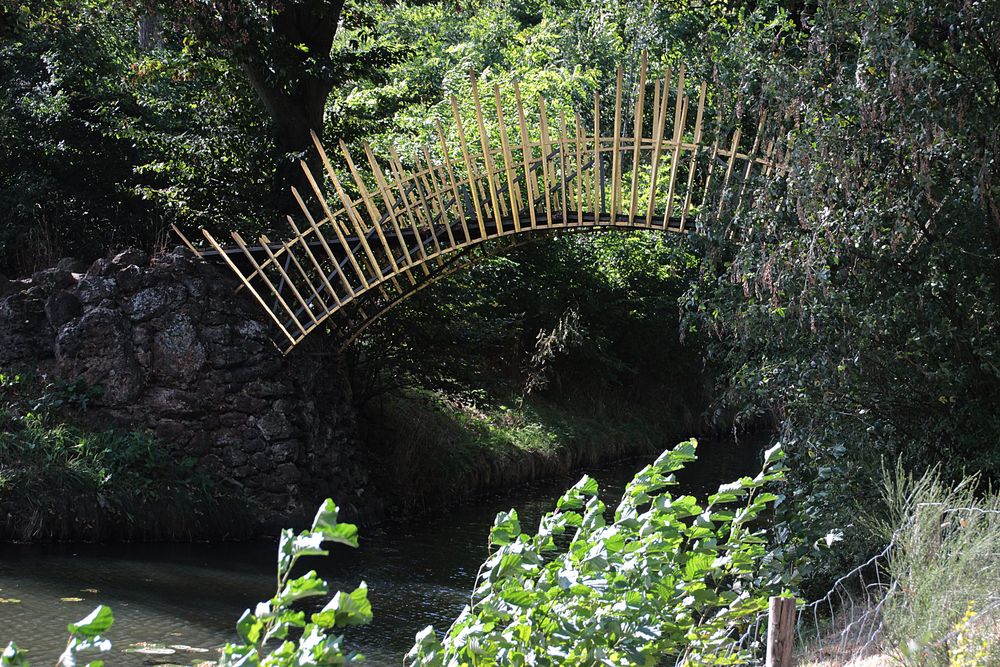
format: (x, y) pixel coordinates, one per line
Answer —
(296, 104)
(292, 117)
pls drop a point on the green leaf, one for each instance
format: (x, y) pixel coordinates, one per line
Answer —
(346, 609)
(308, 585)
(573, 498)
(249, 627)
(518, 597)
(12, 656)
(506, 528)
(326, 523)
(774, 454)
(95, 623)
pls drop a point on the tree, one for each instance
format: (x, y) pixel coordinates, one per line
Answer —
(857, 301)
(294, 53)
(285, 49)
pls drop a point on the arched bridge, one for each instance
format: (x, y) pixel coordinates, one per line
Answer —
(501, 174)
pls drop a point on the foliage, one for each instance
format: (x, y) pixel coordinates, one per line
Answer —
(85, 636)
(112, 484)
(856, 302)
(479, 329)
(276, 619)
(969, 650)
(668, 576)
(107, 143)
(439, 447)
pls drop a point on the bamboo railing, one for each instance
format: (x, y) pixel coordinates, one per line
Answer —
(373, 235)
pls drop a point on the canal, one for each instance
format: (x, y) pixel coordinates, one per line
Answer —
(187, 597)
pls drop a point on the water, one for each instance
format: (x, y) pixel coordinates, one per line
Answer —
(418, 573)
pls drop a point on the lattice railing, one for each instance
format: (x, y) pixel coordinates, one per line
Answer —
(381, 231)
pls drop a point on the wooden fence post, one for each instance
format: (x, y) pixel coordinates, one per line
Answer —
(780, 632)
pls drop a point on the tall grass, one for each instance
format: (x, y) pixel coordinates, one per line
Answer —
(946, 566)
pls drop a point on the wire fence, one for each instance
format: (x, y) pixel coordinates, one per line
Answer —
(848, 622)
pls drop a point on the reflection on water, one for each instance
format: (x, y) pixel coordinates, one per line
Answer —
(419, 572)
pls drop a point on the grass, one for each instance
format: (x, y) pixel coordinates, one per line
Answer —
(946, 563)
(942, 606)
(63, 481)
(436, 447)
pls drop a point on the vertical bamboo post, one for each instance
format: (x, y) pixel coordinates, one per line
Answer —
(581, 188)
(333, 223)
(780, 632)
(412, 212)
(423, 190)
(680, 119)
(637, 140)
(473, 185)
(439, 197)
(526, 154)
(390, 206)
(373, 211)
(314, 226)
(733, 150)
(300, 238)
(543, 131)
(563, 144)
(659, 119)
(675, 162)
(694, 153)
(484, 142)
(246, 283)
(454, 184)
(596, 193)
(508, 163)
(616, 142)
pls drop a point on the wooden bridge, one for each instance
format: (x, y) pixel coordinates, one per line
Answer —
(372, 237)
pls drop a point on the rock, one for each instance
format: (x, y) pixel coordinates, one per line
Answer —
(177, 352)
(170, 430)
(61, 307)
(274, 424)
(72, 265)
(128, 257)
(284, 451)
(21, 332)
(287, 473)
(251, 329)
(150, 302)
(50, 279)
(173, 402)
(234, 458)
(97, 348)
(178, 355)
(130, 278)
(100, 267)
(94, 289)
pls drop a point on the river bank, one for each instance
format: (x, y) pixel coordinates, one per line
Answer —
(419, 572)
(426, 451)
(436, 449)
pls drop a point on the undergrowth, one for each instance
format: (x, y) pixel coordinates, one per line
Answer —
(63, 481)
(437, 446)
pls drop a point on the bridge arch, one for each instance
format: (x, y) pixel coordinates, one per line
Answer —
(381, 232)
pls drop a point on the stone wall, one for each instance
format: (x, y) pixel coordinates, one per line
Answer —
(176, 351)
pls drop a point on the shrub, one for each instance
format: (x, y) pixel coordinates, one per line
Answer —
(668, 576)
